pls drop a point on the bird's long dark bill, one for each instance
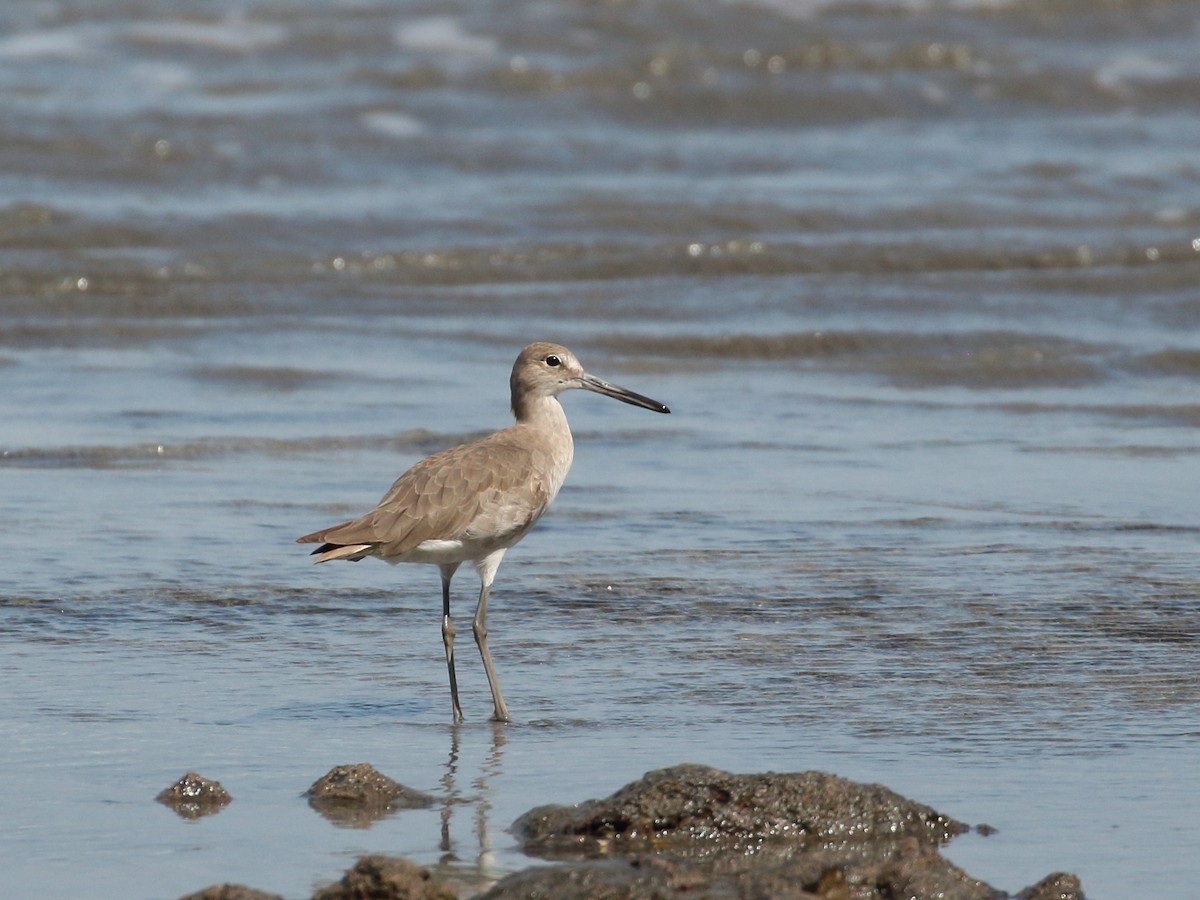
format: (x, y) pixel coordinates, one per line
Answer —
(591, 383)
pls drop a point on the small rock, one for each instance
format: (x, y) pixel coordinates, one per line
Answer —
(231, 892)
(380, 877)
(637, 878)
(358, 795)
(920, 871)
(193, 796)
(1057, 886)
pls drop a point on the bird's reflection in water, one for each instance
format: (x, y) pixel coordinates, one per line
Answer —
(483, 872)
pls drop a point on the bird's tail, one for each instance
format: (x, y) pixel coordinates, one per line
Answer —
(328, 551)
(352, 552)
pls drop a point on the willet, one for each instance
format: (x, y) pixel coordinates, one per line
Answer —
(474, 501)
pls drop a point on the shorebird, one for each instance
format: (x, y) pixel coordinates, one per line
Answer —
(474, 501)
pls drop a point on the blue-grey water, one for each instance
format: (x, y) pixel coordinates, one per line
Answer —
(918, 279)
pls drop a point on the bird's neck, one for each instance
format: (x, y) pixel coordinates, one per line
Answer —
(540, 412)
(545, 416)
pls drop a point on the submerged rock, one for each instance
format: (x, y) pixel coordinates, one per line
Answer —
(1058, 886)
(357, 795)
(635, 878)
(193, 796)
(231, 892)
(380, 877)
(866, 872)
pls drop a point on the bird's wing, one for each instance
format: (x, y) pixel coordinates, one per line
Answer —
(487, 487)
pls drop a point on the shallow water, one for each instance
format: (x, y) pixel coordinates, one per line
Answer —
(918, 281)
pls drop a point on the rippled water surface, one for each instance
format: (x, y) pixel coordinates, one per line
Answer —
(918, 280)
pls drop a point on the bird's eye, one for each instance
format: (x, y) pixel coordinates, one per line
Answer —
(553, 361)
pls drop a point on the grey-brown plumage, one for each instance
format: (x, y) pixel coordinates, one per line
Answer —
(474, 501)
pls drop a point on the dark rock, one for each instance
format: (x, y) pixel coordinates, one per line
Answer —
(691, 833)
(1059, 886)
(358, 795)
(231, 892)
(636, 878)
(702, 834)
(386, 878)
(850, 872)
(913, 870)
(193, 796)
(690, 804)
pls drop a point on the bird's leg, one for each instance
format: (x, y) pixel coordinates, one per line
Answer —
(448, 636)
(479, 626)
(487, 572)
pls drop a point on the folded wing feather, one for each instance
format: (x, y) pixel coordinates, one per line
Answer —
(481, 487)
